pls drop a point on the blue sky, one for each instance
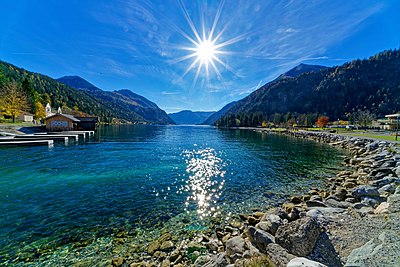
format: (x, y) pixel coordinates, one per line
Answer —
(140, 45)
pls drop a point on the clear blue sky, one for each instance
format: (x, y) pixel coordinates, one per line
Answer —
(140, 45)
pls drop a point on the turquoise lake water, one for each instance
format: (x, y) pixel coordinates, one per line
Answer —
(144, 177)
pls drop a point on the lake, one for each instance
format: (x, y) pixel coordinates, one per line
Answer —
(67, 203)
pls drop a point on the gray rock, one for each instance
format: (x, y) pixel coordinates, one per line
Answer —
(351, 200)
(365, 191)
(394, 203)
(235, 245)
(252, 250)
(397, 170)
(337, 204)
(275, 211)
(202, 260)
(387, 189)
(380, 251)
(218, 260)
(384, 181)
(326, 212)
(315, 203)
(339, 195)
(315, 198)
(271, 223)
(303, 262)
(372, 201)
(359, 205)
(324, 252)
(299, 236)
(388, 164)
(386, 171)
(294, 214)
(381, 155)
(278, 255)
(260, 238)
(372, 146)
(366, 210)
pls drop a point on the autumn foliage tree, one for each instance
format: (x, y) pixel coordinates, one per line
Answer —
(40, 111)
(13, 99)
(322, 121)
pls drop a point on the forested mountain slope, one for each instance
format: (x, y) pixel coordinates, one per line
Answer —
(371, 84)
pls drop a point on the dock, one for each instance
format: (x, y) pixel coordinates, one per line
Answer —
(82, 134)
(29, 138)
(38, 139)
(48, 136)
(48, 143)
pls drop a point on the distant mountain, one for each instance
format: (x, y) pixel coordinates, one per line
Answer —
(122, 103)
(293, 73)
(371, 84)
(300, 69)
(190, 117)
(120, 106)
(211, 120)
(51, 91)
(78, 83)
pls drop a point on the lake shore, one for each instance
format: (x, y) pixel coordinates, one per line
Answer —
(352, 223)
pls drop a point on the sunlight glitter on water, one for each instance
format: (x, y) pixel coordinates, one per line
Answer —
(205, 181)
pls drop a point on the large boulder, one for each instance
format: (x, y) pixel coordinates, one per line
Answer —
(235, 246)
(270, 223)
(365, 191)
(275, 211)
(218, 260)
(278, 255)
(324, 252)
(303, 262)
(299, 236)
(260, 238)
(385, 181)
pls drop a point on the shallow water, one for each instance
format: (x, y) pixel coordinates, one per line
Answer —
(144, 177)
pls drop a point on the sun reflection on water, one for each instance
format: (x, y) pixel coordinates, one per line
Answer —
(205, 181)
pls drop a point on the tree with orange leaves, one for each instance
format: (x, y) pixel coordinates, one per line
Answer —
(322, 121)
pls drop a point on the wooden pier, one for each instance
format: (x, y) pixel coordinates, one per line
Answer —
(49, 136)
(30, 138)
(48, 143)
(38, 139)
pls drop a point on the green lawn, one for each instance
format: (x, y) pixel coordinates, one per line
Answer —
(376, 136)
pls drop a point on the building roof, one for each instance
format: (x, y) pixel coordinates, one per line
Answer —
(25, 113)
(393, 115)
(64, 115)
(88, 119)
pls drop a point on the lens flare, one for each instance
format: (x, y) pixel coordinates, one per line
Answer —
(206, 48)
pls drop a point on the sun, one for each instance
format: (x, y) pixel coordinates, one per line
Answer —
(206, 49)
(206, 52)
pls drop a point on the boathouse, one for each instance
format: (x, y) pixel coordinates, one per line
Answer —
(87, 123)
(61, 122)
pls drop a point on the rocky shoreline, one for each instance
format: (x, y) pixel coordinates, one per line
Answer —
(354, 222)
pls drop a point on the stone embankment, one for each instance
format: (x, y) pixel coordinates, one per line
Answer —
(354, 222)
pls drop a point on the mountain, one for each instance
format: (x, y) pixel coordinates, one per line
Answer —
(300, 69)
(293, 73)
(122, 103)
(78, 83)
(190, 117)
(48, 90)
(370, 84)
(211, 120)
